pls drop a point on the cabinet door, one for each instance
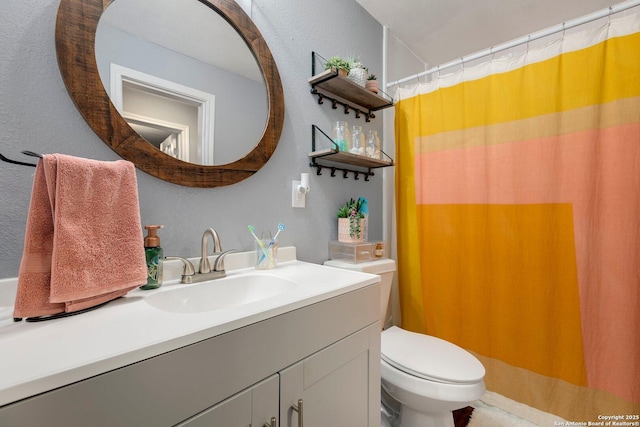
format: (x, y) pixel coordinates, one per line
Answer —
(338, 386)
(250, 408)
(265, 401)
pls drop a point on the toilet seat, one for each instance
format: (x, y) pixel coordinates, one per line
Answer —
(429, 358)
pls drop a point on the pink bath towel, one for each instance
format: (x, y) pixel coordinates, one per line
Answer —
(83, 241)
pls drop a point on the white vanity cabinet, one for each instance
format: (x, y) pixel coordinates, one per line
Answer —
(326, 353)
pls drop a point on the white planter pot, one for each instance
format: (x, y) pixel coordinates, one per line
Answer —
(344, 231)
(358, 76)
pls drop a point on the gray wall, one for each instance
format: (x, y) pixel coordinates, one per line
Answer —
(37, 114)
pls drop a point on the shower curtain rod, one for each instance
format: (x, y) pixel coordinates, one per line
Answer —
(620, 7)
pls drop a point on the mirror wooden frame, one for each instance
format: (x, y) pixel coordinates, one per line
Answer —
(76, 26)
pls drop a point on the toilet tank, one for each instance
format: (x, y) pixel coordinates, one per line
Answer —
(385, 268)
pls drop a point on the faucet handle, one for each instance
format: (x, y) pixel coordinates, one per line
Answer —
(218, 264)
(188, 271)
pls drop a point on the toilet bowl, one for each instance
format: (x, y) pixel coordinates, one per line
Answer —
(426, 376)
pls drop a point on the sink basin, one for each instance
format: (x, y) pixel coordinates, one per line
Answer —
(220, 294)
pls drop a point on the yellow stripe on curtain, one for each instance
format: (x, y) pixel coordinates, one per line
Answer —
(500, 265)
(573, 80)
(518, 206)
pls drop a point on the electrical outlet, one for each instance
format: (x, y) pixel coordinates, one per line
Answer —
(297, 198)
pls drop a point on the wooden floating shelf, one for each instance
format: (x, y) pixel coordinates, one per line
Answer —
(328, 158)
(340, 90)
(352, 159)
(332, 83)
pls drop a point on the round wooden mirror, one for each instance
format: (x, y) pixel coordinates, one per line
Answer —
(76, 27)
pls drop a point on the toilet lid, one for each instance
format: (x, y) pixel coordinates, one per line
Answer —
(429, 357)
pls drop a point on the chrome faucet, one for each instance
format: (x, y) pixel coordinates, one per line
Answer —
(205, 272)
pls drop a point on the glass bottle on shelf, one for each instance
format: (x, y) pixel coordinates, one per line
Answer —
(373, 145)
(357, 141)
(341, 135)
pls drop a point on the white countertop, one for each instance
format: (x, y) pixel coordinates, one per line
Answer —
(38, 357)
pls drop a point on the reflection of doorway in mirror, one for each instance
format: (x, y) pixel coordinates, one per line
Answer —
(170, 146)
(162, 105)
(170, 138)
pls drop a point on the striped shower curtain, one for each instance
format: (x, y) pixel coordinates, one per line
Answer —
(518, 206)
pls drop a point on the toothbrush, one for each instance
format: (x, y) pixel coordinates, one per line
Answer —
(264, 249)
(280, 228)
(273, 241)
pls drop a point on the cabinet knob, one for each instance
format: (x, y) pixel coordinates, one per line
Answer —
(298, 409)
(273, 423)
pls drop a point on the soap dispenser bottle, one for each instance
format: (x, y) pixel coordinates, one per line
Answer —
(153, 253)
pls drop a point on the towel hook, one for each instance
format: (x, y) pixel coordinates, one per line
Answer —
(17, 162)
(32, 154)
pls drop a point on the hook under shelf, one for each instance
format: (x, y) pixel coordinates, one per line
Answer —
(345, 171)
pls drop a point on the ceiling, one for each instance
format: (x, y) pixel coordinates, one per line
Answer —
(438, 31)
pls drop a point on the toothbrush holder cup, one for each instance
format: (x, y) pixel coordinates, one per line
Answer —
(266, 254)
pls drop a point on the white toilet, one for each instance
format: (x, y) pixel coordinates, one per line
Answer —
(426, 376)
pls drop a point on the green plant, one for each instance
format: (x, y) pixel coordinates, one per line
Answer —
(354, 62)
(372, 77)
(352, 210)
(338, 63)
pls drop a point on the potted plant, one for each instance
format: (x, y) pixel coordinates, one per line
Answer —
(357, 71)
(372, 83)
(350, 221)
(338, 64)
